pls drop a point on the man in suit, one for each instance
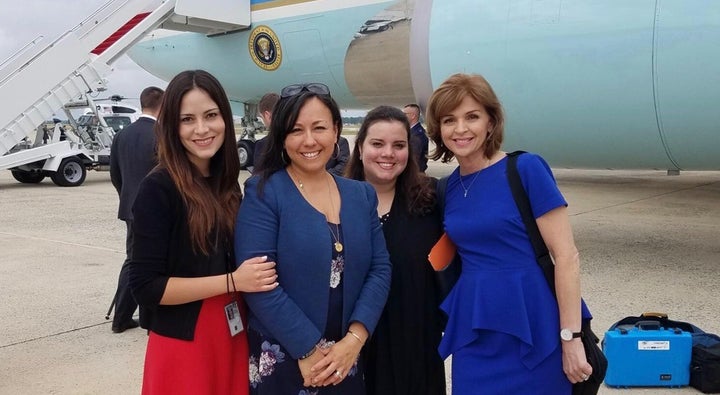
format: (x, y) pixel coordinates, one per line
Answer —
(418, 137)
(265, 108)
(132, 156)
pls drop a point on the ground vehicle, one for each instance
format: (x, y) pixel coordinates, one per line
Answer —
(116, 115)
(81, 58)
(66, 153)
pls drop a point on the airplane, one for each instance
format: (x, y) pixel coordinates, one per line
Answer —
(587, 84)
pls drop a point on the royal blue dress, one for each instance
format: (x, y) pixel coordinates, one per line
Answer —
(503, 328)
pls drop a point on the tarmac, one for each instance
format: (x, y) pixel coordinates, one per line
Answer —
(648, 242)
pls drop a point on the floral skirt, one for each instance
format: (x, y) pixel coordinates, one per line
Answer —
(273, 372)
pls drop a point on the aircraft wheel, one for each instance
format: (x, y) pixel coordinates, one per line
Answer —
(245, 153)
(28, 177)
(71, 173)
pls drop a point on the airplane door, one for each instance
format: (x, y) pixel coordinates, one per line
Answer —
(687, 60)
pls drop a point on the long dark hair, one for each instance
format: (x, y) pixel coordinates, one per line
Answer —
(211, 204)
(413, 187)
(285, 114)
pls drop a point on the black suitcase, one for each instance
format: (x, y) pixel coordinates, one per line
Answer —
(705, 368)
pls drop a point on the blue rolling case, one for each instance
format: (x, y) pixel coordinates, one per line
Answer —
(647, 354)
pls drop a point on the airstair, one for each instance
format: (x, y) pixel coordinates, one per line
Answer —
(40, 79)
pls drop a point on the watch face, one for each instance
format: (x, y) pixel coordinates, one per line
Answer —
(566, 334)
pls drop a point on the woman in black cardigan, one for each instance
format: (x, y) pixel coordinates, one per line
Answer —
(182, 269)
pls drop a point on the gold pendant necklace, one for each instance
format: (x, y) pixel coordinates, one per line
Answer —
(338, 245)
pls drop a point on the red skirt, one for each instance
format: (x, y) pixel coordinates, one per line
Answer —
(212, 363)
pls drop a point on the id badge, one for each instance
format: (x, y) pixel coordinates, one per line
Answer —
(232, 314)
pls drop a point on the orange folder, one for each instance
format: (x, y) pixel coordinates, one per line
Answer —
(442, 253)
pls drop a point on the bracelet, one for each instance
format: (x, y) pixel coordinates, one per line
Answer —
(309, 353)
(356, 336)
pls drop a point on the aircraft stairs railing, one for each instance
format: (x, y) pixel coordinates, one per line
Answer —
(39, 79)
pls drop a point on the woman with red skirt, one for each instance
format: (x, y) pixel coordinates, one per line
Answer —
(182, 269)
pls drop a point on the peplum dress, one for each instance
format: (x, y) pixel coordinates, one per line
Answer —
(503, 326)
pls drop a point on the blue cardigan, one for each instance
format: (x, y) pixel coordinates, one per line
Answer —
(284, 226)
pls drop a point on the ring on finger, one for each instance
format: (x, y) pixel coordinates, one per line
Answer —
(584, 377)
(338, 373)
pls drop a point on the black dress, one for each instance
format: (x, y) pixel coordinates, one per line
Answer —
(402, 356)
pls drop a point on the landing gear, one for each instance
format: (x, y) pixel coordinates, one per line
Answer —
(246, 142)
(245, 153)
(70, 173)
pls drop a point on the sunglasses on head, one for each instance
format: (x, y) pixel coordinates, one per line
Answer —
(314, 87)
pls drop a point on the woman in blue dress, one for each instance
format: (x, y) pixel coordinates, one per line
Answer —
(506, 331)
(305, 336)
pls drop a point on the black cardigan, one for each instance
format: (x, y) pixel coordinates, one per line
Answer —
(161, 249)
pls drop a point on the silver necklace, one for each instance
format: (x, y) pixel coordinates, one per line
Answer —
(469, 186)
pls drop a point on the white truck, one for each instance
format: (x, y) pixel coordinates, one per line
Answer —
(66, 153)
(81, 58)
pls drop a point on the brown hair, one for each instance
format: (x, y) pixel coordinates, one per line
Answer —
(448, 96)
(211, 205)
(268, 102)
(150, 98)
(413, 186)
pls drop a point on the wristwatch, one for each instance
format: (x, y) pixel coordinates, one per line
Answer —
(567, 334)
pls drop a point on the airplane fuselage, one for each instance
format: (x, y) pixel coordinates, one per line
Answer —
(611, 84)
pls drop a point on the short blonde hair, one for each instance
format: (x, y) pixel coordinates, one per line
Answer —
(448, 96)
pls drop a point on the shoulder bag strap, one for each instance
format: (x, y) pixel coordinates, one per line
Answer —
(523, 204)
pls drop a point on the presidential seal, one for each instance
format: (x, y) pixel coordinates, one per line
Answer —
(264, 48)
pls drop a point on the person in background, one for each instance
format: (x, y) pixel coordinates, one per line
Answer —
(401, 357)
(132, 156)
(338, 161)
(183, 266)
(419, 138)
(504, 324)
(323, 231)
(265, 107)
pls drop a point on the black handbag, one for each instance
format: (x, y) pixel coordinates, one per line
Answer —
(705, 368)
(593, 353)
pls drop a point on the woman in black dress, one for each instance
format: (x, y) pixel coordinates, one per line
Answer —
(401, 357)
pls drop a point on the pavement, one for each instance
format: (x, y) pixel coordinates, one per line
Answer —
(648, 242)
